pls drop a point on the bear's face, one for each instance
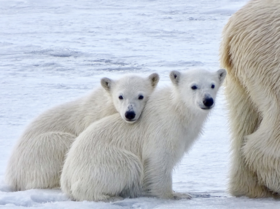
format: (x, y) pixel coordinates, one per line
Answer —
(198, 88)
(130, 94)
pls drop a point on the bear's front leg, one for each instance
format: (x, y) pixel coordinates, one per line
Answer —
(158, 177)
(157, 181)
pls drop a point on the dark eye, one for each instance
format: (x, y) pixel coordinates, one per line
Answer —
(141, 97)
(194, 87)
(121, 97)
(212, 86)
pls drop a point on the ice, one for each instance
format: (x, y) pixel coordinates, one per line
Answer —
(55, 51)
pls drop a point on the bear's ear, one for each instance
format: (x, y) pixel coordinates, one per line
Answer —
(154, 78)
(106, 83)
(222, 74)
(175, 77)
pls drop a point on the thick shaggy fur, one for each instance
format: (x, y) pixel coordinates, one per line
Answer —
(37, 159)
(112, 159)
(250, 51)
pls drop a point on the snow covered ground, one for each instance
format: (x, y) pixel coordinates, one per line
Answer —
(54, 51)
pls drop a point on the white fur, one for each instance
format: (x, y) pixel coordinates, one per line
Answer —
(250, 52)
(37, 158)
(112, 159)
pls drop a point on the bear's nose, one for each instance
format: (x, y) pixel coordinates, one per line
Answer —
(130, 115)
(208, 102)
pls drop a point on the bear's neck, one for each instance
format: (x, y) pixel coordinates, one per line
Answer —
(91, 109)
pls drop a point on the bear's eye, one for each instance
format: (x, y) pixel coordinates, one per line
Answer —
(194, 87)
(212, 86)
(121, 97)
(141, 97)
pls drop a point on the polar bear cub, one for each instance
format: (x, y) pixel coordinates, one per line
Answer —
(112, 159)
(37, 158)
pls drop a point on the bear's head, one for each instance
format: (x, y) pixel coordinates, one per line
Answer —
(198, 88)
(130, 94)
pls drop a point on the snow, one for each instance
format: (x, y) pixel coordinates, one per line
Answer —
(54, 51)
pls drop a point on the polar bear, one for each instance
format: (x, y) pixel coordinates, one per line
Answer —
(112, 159)
(37, 158)
(250, 52)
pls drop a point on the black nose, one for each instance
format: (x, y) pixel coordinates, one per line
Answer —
(130, 115)
(208, 102)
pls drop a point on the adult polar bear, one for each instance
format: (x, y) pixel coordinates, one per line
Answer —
(250, 51)
(36, 161)
(112, 159)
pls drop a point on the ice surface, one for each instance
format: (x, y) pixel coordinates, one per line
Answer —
(54, 51)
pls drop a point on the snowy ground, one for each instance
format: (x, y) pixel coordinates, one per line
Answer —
(54, 51)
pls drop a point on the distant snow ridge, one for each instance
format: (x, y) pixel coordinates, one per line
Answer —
(59, 52)
(113, 65)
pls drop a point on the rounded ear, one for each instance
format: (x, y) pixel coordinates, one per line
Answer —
(175, 77)
(222, 74)
(106, 83)
(154, 78)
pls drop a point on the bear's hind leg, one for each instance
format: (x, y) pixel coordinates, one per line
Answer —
(244, 120)
(112, 173)
(261, 148)
(262, 155)
(37, 162)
